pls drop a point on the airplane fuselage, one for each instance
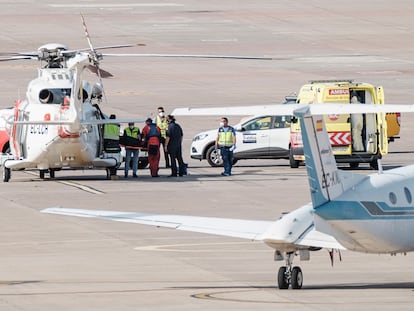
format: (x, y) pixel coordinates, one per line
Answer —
(375, 215)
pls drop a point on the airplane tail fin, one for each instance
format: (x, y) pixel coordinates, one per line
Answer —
(323, 175)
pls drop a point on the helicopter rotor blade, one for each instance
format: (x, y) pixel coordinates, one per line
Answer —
(192, 56)
(100, 72)
(4, 59)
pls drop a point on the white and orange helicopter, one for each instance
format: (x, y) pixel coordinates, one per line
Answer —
(59, 124)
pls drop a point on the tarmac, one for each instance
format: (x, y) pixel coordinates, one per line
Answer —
(51, 262)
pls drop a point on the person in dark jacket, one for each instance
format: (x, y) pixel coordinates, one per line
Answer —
(173, 143)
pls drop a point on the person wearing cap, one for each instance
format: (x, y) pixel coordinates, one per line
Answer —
(162, 123)
(173, 144)
(151, 134)
(132, 142)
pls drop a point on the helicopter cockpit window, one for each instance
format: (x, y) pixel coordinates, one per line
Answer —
(53, 96)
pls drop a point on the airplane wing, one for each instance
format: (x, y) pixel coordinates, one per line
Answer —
(255, 230)
(239, 228)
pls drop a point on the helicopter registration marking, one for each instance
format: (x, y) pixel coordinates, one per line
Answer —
(39, 129)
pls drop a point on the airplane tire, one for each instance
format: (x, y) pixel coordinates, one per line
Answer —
(6, 174)
(282, 281)
(108, 173)
(297, 278)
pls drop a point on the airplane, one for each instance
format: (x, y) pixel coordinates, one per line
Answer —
(60, 124)
(349, 211)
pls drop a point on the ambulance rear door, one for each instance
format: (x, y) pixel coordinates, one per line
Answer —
(381, 123)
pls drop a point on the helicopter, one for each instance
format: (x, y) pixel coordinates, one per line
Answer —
(60, 124)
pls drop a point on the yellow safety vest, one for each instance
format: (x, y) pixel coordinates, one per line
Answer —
(163, 125)
(132, 133)
(225, 138)
(111, 131)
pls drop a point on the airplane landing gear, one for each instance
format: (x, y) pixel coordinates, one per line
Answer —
(290, 276)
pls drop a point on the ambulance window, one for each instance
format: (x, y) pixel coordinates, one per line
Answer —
(393, 198)
(408, 195)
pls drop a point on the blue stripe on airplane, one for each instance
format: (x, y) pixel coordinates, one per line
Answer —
(351, 210)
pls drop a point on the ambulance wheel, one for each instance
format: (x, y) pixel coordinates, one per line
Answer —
(282, 280)
(297, 278)
(42, 174)
(213, 157)
(293, 163)
(6, 174)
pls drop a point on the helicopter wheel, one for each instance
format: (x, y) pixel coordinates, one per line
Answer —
(42, 174)
(52, 173)
(6, 174)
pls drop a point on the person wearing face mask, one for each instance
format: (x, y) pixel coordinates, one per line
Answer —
(162, 123)
(226, 142)
(132, 142)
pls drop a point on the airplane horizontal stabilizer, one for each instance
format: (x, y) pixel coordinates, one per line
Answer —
(239, 228)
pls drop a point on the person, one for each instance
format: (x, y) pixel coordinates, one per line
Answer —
(151, 134)
(162, 123)
(132, 142)
(357, 124)
(173, 144)
(226, 142)
(111, 136)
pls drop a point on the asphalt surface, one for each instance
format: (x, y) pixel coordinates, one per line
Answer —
(51, 262)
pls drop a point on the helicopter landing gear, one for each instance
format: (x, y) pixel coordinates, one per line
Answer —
(290, 276)
(52, 173)
(42, 174)
(6, 174)
(111, 172)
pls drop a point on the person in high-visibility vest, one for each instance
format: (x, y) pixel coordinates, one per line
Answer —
(226, 142)
(162, 122)
(111, 136)
(132, 142)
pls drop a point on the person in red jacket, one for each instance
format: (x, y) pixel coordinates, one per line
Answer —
(151, 134)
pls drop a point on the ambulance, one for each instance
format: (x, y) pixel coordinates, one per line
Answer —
(356, 138)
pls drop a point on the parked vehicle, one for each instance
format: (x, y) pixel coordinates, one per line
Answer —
(258, 137)
(360, 138)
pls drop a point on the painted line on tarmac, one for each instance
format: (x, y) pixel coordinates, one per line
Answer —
(81, 187)
(189, 247)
